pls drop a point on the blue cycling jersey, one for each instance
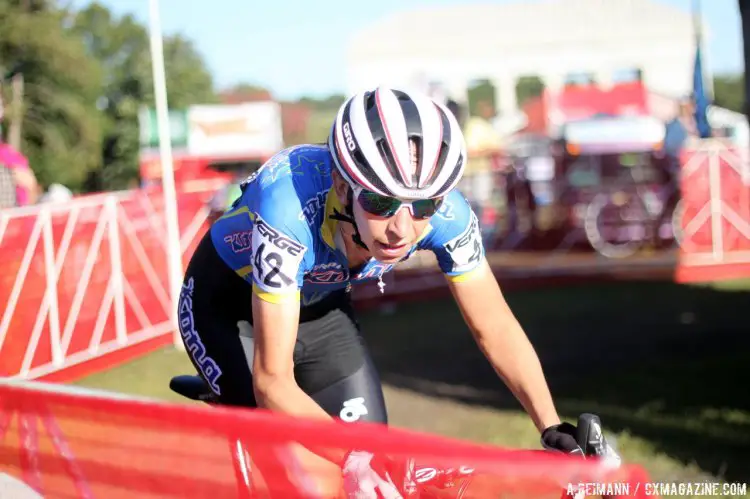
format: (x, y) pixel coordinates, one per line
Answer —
(280, 237)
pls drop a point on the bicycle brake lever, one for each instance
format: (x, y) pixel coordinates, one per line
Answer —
(591, 439)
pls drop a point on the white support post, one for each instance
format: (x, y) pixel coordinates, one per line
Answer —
(174, 255)
(115, 256)
(51, 274)
(717, 234)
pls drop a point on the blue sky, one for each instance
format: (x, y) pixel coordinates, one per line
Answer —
(297, 47)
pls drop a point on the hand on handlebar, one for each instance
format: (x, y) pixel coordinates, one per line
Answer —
(561, 438)
(586, 440)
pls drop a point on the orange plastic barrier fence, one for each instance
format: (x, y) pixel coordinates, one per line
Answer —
(715, 186)
(59, 443)
(86, 281)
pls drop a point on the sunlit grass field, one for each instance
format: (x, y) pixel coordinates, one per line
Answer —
(665, 366)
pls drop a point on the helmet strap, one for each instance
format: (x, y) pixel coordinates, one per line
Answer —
(348, 217)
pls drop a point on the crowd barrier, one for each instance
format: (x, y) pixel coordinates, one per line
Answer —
(63, 442)
(84, 284)
(86, 281)
(715, 189)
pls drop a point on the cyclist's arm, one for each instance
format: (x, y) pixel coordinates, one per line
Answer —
(457, 243)
(275, 333)
(504, 343)
(277, 259)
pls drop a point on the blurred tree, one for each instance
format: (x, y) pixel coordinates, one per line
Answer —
(330, 103)
(528, 87)
(313, 118)
(121, 45)
(61, 129)
(244, 92)
(481, 91)
(729, 91)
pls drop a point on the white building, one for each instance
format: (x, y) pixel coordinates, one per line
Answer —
(550, 39)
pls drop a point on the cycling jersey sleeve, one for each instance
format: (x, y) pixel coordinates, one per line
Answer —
(266, 243)
(454, 238)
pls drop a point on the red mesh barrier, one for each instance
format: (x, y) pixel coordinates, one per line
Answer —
(93, 445)
(715, 188)
(88, 278)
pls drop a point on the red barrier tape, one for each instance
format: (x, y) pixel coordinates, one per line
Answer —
(83, 445)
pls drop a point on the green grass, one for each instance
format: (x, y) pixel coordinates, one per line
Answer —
(664, 365)
(730, 285)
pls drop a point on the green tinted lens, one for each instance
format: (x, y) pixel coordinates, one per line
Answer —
(381, 206)
(425, 208)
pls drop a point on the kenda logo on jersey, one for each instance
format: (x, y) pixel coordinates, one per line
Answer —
(193, 343)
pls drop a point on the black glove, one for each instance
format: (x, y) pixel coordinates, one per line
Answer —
(562, 438)
(583, 440)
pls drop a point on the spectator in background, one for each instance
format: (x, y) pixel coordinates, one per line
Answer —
(680, 128)
(484, 145)
(14, 169)
(455, 108)
(678, 131)
(56, 193)
(7, 188)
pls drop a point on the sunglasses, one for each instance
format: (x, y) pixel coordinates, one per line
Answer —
(384, 206)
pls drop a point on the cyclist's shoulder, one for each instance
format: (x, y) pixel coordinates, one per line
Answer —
(454, 214)
(293, 168)
(283, 189)
(454, 236)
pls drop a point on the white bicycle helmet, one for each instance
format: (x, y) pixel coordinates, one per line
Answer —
(399, 144)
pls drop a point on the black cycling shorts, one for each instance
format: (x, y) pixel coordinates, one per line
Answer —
(331, 361)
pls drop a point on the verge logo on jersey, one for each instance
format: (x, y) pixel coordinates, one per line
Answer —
(465, 250)
(276, 257)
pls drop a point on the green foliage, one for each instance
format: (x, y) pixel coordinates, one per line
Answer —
(86, 74)
(528, 87)
(319, 125)
(481, 91)
(327, 104)
(121, 46)
(61, 125)
(729, 91)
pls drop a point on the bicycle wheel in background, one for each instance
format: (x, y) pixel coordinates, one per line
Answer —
(677, 220)
(615, 224)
